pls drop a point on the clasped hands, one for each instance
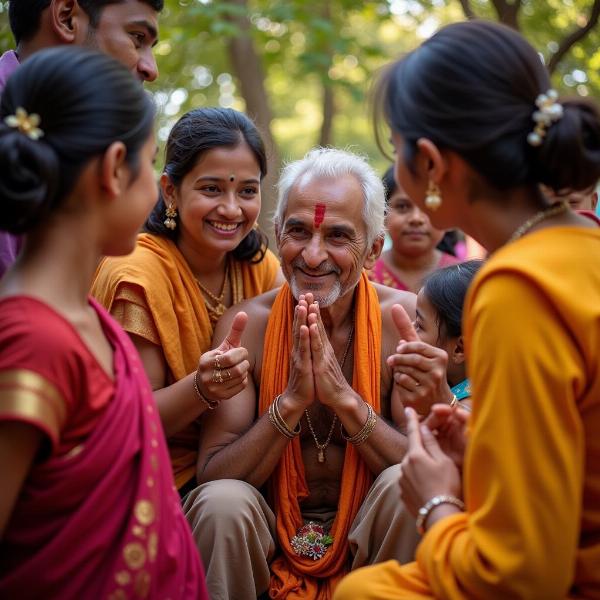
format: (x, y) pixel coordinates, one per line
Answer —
(314, 369)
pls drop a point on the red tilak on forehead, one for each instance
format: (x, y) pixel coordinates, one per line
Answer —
(319, 214)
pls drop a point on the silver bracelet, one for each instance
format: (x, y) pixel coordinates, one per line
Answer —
(433, 503)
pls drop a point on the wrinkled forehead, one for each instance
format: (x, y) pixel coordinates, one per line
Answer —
(323, 200)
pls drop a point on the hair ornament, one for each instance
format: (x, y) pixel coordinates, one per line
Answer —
(548, 111)
(27, 124)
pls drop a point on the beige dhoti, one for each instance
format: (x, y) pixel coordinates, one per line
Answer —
(234, 529)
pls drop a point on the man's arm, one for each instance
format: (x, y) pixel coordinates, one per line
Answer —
(235, 446)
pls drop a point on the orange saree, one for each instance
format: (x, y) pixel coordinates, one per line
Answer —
(153, 294)
(292, 576)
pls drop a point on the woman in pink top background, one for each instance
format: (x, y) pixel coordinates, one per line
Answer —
(414, 252)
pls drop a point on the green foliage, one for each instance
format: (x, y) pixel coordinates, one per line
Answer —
(305, 45)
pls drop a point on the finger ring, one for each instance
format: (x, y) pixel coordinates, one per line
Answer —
(417, 384)
(217, 376)
(227, 375)
(217, 362)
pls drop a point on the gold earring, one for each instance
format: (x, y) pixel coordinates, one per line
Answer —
(171, 213)
(433, 197)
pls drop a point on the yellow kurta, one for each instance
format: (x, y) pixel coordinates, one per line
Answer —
(152, 293)
(532, 470)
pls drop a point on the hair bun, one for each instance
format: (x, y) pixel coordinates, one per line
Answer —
(29, 175)
(569, 157)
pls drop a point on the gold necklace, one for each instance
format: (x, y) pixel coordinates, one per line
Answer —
(547, 213)
(322, 447)
(214, 304)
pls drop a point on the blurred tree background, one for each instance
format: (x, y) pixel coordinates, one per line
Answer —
(302, 68)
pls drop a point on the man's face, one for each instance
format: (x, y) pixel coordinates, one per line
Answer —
(127, 31)
(322, 241)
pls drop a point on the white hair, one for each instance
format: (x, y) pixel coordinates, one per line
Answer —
(332, 162)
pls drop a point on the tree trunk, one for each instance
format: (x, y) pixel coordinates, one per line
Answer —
(468, 9)
(249, 72)
(508, 12)
(326, 136)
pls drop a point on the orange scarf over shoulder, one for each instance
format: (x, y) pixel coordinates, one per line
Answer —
(292, 576)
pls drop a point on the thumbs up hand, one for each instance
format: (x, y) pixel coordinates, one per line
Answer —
(223, 372)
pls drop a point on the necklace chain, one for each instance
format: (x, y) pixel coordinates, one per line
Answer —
(322, 447)
(215, 307)
(547, 213)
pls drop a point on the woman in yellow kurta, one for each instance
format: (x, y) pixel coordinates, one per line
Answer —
(476, 129)
(200, 253)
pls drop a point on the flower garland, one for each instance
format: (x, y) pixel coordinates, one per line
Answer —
(311, 540)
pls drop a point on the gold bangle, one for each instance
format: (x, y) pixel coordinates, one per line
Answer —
(365, 432)
(277, 425)
(212, 404)
(279, 422)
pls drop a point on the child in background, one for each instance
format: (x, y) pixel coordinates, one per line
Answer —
(586, 199)
(413, 254)
(88, 508)
(442, 375)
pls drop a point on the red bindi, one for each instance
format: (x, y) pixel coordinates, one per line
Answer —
(319, 214)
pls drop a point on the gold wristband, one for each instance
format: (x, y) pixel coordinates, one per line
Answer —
(279, 422)
(212, 404)
(365, 432)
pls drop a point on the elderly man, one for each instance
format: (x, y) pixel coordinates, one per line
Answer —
(124, 29)
(314, 425)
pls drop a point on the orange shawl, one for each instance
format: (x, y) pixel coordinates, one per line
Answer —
(166, 307)
(291, 575)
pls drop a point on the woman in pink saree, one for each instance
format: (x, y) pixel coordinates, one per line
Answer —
(88, 506)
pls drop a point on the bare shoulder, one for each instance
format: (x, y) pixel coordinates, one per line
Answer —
(389, 296)
(389, 334)
(258, 310)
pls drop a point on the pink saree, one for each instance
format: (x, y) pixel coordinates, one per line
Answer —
(102, 520)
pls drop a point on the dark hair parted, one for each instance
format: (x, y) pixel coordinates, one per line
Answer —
(25, 15)
(471, 89)
(85, 101)
(446, 290)
(197, 132)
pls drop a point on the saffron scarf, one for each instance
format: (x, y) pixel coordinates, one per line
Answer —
(105, 521)
(294, 577)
